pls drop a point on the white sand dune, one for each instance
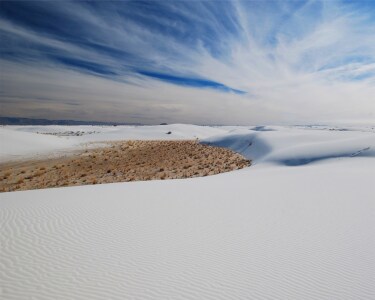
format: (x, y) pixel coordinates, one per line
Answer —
(271, 231)
(18, 144)
(30, 141)
(296, 146)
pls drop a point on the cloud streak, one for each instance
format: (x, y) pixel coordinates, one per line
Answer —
(202, 62)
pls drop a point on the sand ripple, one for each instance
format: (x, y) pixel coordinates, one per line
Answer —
(141, 241)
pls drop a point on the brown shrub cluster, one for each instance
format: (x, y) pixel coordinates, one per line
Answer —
(122, 161)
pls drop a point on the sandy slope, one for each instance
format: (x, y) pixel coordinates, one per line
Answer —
(276, 230)
(120, 162)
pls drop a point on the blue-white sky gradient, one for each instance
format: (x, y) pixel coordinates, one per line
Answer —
(203, 62)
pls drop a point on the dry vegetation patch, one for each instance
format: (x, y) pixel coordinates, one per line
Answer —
(122, 161)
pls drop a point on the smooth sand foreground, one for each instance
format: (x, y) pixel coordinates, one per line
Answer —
(121, 161)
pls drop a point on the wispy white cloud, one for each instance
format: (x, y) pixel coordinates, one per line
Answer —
(298, 62)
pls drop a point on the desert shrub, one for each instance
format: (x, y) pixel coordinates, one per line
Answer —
(38, 173)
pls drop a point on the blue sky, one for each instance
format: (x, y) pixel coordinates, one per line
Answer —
(205, 62)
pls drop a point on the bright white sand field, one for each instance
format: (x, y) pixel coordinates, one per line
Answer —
(297, 224)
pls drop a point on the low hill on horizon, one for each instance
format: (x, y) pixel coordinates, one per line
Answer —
(29, 121)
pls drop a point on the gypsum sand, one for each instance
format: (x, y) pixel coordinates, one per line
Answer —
(120, 162)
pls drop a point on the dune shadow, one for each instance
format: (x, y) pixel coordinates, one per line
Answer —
(301, 161)
(262, 128)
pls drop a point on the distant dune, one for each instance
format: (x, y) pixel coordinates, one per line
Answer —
(29, 121)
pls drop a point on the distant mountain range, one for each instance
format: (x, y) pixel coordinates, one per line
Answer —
(27, 121)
